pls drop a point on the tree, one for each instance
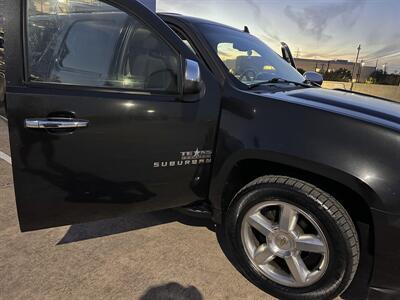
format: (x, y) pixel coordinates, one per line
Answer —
(338, 75)
(381, 77)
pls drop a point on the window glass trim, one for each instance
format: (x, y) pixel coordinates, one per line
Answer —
(108, 89)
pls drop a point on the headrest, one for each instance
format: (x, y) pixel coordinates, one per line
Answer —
(145, 39)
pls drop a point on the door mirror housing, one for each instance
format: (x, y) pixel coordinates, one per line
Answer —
(314, 77)
(192, 78)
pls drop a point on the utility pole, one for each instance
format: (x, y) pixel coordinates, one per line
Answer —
(354, 66)
(297, 54)
(376, 65)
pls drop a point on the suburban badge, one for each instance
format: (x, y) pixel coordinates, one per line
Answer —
(187, 158)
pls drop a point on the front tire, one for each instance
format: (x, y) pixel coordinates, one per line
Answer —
(291, 239)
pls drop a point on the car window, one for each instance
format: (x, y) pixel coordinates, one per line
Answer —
(238, 61)
(91, 43)
(183, 37)
(86, 38)
(148, 63)
(246, 57)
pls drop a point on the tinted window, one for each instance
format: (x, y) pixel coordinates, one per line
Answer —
(184, 39)
(148, 62)
(90, 46)
(93, 44)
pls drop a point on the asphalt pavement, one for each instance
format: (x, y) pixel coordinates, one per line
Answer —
(162, 255)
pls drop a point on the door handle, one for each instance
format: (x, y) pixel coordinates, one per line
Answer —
(55, 123)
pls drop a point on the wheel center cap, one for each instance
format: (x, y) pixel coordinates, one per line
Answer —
(282, 242)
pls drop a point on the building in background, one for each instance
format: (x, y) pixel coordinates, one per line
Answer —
(361, 72)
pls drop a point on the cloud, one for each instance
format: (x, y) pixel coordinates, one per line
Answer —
(187, 7)
(389, 49)
(261, 20)
(315, 19)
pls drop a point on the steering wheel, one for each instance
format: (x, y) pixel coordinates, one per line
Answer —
(248, 74)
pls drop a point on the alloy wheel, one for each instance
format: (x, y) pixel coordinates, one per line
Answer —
(285, 243)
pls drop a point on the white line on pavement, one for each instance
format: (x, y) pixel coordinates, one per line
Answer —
(5, 157)
(3, 118)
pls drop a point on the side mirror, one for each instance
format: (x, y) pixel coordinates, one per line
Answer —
(314, 77)
(192, 79)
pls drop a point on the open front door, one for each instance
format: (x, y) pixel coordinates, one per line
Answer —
(2, 75)
(98, 121)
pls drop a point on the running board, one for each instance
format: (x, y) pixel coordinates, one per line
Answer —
(199, 209)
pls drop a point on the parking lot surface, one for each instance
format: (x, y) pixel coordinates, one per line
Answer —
(162, 255)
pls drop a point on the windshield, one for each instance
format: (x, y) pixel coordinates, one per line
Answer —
(246, 57)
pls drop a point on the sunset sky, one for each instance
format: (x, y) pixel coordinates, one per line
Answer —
(327, 29)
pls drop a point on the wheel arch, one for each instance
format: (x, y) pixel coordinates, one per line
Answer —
(354, 194)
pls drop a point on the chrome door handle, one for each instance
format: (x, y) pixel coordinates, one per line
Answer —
(55, 123)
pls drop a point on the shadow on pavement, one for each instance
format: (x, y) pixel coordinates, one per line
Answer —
(85, 231)
(172, 291)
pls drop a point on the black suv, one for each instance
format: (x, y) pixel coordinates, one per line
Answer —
(115, 110)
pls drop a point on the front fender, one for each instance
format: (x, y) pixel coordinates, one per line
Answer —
(358, 154)
(340, 176)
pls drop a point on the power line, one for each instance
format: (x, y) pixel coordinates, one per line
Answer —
(383, 56)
